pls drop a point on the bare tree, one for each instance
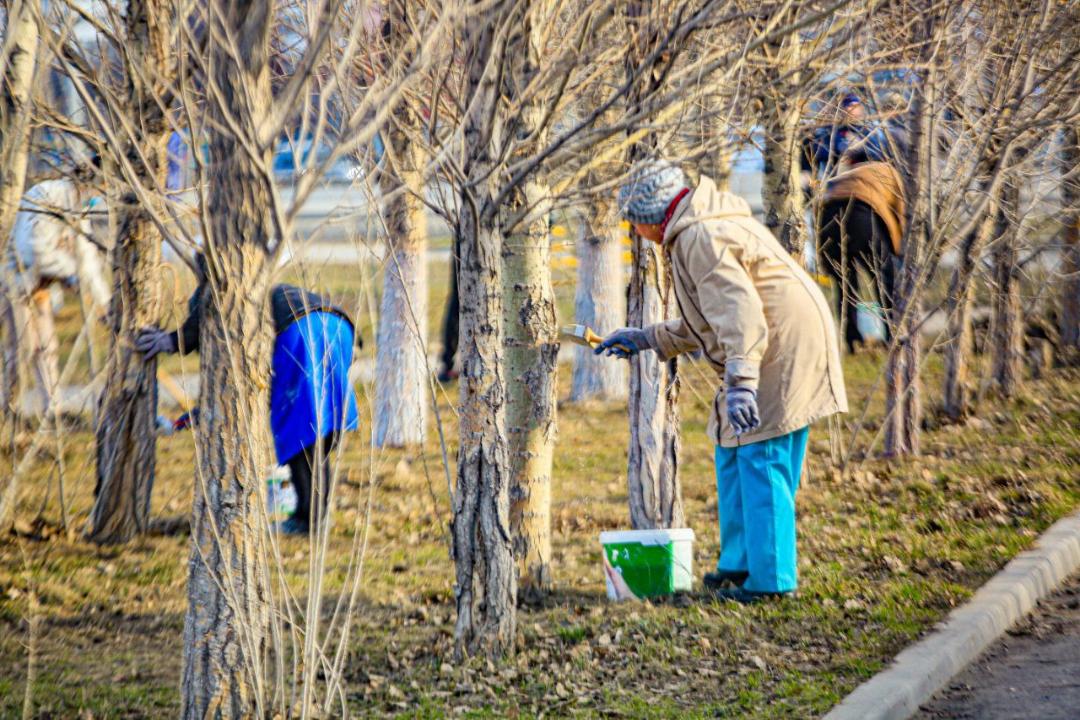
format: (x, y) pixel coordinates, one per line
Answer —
(225, 628)
(127, 408)
(18, 68)
(782, 109)
(401, 367)
(1070, 291)
(653, 459)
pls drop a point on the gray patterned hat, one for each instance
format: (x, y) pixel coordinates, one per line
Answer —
(652, 186)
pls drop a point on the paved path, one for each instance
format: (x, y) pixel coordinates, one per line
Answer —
(1031, 673)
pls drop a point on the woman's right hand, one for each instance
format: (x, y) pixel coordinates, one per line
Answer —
(624, 343)
(151, 341)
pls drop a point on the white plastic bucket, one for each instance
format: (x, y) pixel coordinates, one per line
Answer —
(647, 563)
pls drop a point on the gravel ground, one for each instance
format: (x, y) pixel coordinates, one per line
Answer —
(1033, 672)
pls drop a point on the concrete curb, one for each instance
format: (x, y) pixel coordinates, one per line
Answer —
(924, 668)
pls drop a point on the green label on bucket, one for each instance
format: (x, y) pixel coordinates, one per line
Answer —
(646, 570)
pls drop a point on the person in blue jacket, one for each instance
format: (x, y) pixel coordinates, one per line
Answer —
(311, 399)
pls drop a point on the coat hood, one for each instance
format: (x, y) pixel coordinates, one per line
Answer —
(706, 202)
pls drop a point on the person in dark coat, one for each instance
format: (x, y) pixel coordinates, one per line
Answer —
(853, 136)
(311, 399)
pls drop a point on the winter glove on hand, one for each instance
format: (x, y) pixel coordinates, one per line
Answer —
(151, 341)
(742, 410)
(624, 343)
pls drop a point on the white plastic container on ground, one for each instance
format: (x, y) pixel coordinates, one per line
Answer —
(647, 563)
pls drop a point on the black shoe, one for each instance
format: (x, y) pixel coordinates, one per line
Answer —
(750, 597)
(293, 526)
(719, 578)
(447, 375)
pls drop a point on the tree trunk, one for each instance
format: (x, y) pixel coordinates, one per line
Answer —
(1006, 324)
(652, 471)
(532, 350)
(127, 409)
(600, 303)
(486, 588)
(903, 401)
(1070, 291)
(653, 459)
(225, 627)
(21, 38)
(781, 193)
(401, 371)
(961, 299)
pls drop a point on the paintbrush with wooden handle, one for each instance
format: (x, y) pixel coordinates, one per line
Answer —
(584, 335)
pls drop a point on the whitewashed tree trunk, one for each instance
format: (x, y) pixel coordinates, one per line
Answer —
(401, 372)
(532, 350)
(652, 472)
(20, 41)
(225, 627)
(1069, 320)
(600, 303)
(653, 458)
(532, 332)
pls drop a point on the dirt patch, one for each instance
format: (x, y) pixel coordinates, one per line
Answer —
(1032, 672)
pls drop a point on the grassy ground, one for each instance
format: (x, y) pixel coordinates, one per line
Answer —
(886, 549)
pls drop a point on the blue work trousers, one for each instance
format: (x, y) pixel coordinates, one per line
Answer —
(756, 484)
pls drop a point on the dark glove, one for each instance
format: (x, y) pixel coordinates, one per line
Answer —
(151, 341)
(624, 343)
(186, 421)
(742, 410)
(71, 282)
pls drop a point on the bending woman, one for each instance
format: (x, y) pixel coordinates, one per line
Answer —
(311, 400)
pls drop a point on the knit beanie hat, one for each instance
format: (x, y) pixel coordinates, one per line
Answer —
(652, 186)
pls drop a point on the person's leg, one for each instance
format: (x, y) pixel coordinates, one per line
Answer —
(769, 473)
(729, 508)
(44, 349)
(883, 266)
(450, 321)
(319, 455)
(300, 477)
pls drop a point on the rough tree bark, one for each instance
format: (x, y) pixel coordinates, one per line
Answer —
(486, 579)
(600, 303)
(532, 350)
(532, 333)
(652, 473)
(781, 192)
(401, 372)
(127, 409)
(226, 622)
(20, 50)
(1006, 324)
(18, 58)
(903, 391)
(1069, 320)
